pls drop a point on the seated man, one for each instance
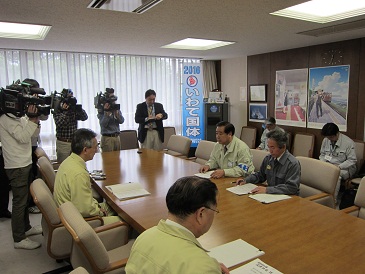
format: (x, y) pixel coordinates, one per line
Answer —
(72, 181)
(270, 124)
(172, 246)
(228, 153)
(280, 169)
(338, 149)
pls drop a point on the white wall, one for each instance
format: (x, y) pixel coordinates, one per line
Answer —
(234, 76)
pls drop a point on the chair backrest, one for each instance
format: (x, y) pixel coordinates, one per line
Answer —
(360, 153)
(360, 198)
(203, 151)
(318, 177)
(39, 152)
(178, 145)
(288, 144)
(168, 131)
(303, 144)
(84, 236)
(128, 139)
(257, 157)
(57, 238)
(47, 172)
(248, 135)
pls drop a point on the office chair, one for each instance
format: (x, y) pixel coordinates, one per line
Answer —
(257, 157)
(168, 131)
(203, 151)
(318, 181)
(47, 172)
(178, 146)
(248, 135)
(56, 237)
(98, 250)
(39, 152)
(128, 139)
(358, 209)
(303, 144)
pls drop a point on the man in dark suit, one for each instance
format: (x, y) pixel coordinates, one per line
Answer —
(149, 116)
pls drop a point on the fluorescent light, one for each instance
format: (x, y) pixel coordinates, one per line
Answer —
(197, 44)
(324, 11)
(23, 31)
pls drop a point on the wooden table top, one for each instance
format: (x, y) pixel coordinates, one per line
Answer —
(298, 236)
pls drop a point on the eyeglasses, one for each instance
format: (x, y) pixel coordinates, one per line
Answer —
(215, 210)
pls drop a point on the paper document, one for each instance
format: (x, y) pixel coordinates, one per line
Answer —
(255, 267)
(128, 190)
(242, 189)
(235, 252)
(269, 198)
(205, 175)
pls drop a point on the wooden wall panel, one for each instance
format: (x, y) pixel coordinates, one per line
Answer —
(259, 67)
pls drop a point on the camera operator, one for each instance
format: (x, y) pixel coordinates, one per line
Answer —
(110, 117)
(66, 124)
(15, 134)
(35, 141)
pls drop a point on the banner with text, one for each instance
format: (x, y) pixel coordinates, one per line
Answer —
(192, 103)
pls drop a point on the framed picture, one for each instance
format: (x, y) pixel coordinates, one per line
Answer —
(258, 93)
(257, 112)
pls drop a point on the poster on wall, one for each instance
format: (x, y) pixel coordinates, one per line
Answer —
(291, 97)
(328, 93)
(192, 103)
(258, 112)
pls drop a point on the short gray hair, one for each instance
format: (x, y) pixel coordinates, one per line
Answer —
(280, 137)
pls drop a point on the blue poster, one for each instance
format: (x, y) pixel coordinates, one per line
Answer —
(192, 103)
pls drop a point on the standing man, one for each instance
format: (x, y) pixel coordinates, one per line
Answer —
(110, 117)
(72, 181)
(149, 116)
(66, 123)
(280, 169)
(228, 153)
(270, 124)
(16, 136)
(172, 245)
(339, 150)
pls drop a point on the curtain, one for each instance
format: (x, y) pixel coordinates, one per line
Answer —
(209, 77)
(87, 74)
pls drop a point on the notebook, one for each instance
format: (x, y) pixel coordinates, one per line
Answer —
(128, 190)
(205, 175)
(242, 189)
(269, 198)
(235, 252)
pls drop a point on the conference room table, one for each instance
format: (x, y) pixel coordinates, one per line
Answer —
(297, 235)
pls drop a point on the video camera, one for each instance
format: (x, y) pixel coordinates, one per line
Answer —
(56, 99)
(107, 97)
(17, 97)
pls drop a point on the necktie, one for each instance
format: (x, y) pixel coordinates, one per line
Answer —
(225, 149)
(150, 110)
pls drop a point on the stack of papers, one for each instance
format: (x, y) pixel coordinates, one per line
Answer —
(257, 267)
(97, 175)
(269, 198)
(236, 252)
(242, 189)
(205, 175)
(129, 190)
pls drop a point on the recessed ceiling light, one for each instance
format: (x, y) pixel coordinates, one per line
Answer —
(136, 6)
(23, 31)
(324, 11)
(197, 44)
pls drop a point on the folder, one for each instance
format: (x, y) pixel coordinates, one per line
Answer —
(235, 252)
